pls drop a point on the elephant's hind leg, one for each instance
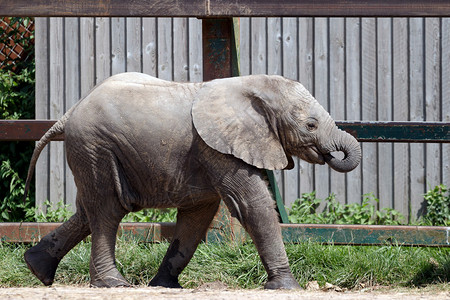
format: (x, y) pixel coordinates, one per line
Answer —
(191, 228)
(104, 225)
(43, 259)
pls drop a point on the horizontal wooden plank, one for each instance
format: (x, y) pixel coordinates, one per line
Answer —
(430, 236)
(411, 132)
(420, 132)
(106, 8)
(220, 8)
(33, 232)
(25, 130)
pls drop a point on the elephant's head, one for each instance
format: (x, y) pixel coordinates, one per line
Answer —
(264, 120)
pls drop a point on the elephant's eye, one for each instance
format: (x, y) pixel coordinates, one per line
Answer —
(311, 125)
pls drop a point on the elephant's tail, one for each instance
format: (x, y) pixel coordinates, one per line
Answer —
(55, 130)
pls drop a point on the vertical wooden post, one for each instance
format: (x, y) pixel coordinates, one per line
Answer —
(220, 60)
(217, 48)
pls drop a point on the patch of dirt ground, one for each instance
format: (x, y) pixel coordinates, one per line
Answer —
(217, 292)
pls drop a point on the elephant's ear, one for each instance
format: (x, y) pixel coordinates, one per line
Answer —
(232, 119)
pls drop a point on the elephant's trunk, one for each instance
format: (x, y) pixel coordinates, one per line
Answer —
(351, 149)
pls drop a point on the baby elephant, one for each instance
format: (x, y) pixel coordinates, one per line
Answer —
(136, 142)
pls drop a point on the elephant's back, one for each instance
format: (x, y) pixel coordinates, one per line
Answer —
(135, 113)
(135, 102)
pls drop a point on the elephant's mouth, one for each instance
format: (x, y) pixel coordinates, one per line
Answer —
(312, 155)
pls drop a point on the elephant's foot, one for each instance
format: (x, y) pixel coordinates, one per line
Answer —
(41, 263)
(165, 281)
(286, 282)
(110, 280)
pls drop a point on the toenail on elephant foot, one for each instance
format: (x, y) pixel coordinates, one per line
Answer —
(110, 282)
(41, 263)
(288, 283)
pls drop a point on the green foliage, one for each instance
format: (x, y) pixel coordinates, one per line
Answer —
(17, 80)
(364, 266)
(61, 212)
(16, 101)
(14, 161)
(238, 265)
(438, 206)
(17, 93)
(152, 215)
(13, 269)
(58, 212)
(12, 207)
(304, 210)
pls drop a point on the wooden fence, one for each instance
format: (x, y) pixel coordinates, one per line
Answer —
(358, 68)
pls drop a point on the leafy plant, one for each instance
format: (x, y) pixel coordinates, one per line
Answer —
(17, 81)
(54, 212)
(60, 212)
(12, 208)
(438, 206)
(152, 215)
(17, 76)
(304, 210)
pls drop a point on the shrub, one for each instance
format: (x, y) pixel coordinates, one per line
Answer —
(152, 215)
(12, 207)
(304, 210)
(17, 75)
(438, 207)
(54, 212)
(16, 101)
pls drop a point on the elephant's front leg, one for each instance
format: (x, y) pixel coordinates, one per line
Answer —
(246, 194)
(192, 224)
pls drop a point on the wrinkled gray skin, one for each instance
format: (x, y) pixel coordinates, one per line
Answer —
(136, 141)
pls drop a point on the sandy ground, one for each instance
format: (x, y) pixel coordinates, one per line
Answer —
(209, 292)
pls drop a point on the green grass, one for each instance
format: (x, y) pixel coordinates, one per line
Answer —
(238, 265)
